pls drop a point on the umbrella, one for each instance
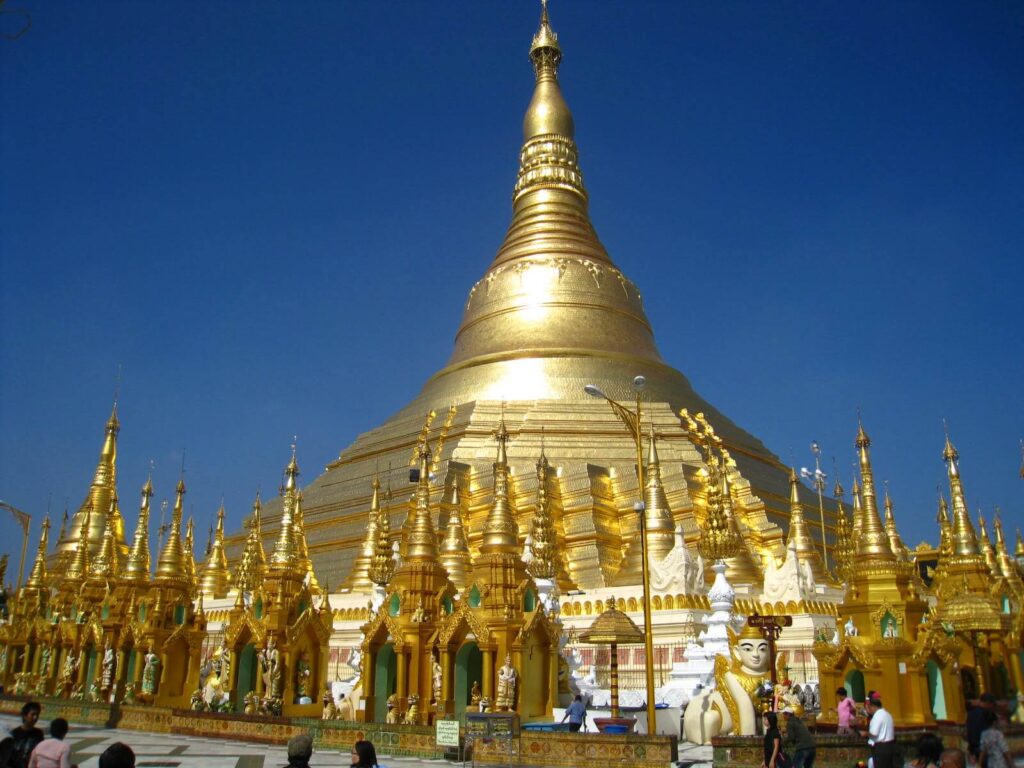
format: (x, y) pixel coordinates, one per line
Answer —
(613, 628)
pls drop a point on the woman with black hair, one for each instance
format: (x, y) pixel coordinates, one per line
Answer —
(364, 755)
(772, 741)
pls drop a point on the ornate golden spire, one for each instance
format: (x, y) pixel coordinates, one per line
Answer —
(965, 542)
(382, 567)
(501, 534)
(741, 567)
(895, 542)
(78, 569)
(37, 578)
(548, 113)
(873, 544)
(718, 539)
(101, 490)
(302, 547)
(189, 548)
(1018, 552)
(857, 515)
(799, 537)
(985, 545)
(249, 577)
(359, 579)
(945, 528)
(170, 565)
(660, 525)
(421, 540)
(215, 576)
(844, 544)
(544, 544)
(63, 526)
(105, 565)
(454, 548)
(136, 568)
(286, 554)
(1007, 567)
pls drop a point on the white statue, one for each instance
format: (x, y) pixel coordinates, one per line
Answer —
(107, 678)
(149, 672)
(505, 697)
(729, 708)
(851, 628)
(436, 675)
(679, 572)
(270, 659)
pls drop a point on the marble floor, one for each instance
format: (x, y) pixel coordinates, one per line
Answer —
(158, 750)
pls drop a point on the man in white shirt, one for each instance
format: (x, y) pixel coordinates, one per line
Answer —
(881, 735)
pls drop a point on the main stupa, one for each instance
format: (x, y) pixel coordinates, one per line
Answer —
(550, 314)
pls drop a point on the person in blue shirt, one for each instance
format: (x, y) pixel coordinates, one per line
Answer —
(577, 713)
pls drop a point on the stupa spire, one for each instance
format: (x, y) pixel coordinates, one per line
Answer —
(455, 555)
(215, 576)
(1018, 552)
(965, 542)
(286, 554)
(421, 541)
(844, 544)
(105, 565)
(985, 545)
(249, 576)
(857, 513)
(895, 542)
(78, 569)
(660, 525)
(501, 534)
(799, 536)
(873, 544)
(302, 548)
(136, 567)
(359, 579)
(543, 547)
(383, 564)
(1007, 567)
(945, 528)
(37, 577)
(170, 565)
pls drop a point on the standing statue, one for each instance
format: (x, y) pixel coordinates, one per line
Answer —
(330, 710)
(129, 694)
(107, 678)
(474, 693)
(45, 658)
(505, 698)
(94, 691)
(851, 628)
(303, 676)
(729, 708)
(435, 679)
(70, 670)
(270, 660)
(3, 661)
(149, 673)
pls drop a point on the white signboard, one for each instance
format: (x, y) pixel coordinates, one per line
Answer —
(447, 733)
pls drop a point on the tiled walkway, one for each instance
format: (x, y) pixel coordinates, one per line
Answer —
(158, 750)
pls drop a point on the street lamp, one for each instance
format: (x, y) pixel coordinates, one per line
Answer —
(631, 418)
(817, 477)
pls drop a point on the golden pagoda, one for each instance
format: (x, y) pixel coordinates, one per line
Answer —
(359, 578)
(215, 578)
(454, 549)
(881, 615)
(799, 538)
(550, 313)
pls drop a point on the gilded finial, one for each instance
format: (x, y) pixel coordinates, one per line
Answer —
(286, 556)
(964, 538)
(79, 566)
(1007, 567)
(136, 567)
(718, 539)
(421, 538)
(170, 565)
(216, 578)
(985, 546)
(543, 544)
(501, 534)
(359, 578)
(37, 577)
(799, 535)
(873, 543)
(455, 555)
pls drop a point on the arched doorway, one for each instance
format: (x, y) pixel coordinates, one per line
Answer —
(246, 681)
(855, 685)
(936, 692)
(384, 681)
(469, 663)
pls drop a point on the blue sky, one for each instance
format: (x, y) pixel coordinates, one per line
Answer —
(270, 215)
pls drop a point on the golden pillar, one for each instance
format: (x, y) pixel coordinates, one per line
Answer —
(401, 673)
(487, 673)
(447, 703)
(233, 681)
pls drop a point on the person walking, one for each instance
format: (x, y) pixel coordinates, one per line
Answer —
(54, 752)
(364, 755)
(995, 752)
(800, 739)
(881, 735)
(977, 717)
(577, 713)
(772, 741)
(846, 712)
(27, 736)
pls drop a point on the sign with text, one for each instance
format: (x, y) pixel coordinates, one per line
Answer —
(447, 733)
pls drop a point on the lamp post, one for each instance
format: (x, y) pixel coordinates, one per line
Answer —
(631, 418)
(817, 477)
(24, 520)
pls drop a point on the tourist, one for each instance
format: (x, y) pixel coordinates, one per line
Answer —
(929, 751)
(977, 716)
(881, 735)
(800, 739)
(300, 749)
(577, 713)
(27, 735)
(364, 755)
(846, 711)
(995, 752)
(117, 755)
(773, 757)
(952, 758)
(53, 752)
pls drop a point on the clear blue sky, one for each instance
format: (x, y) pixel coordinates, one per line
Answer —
(271, 215)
